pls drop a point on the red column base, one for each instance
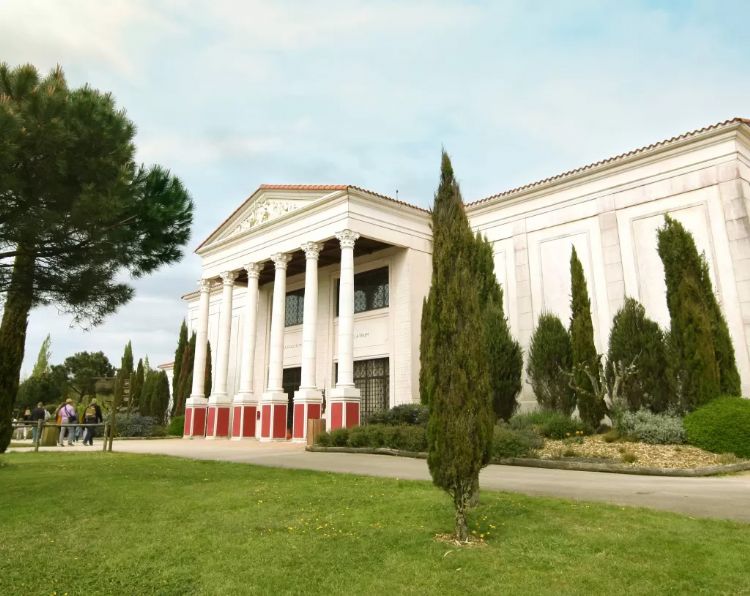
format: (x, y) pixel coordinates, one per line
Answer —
(195, 421)
(273, 421)
(218, 422)
(344, 414)
(302, 413)
(243, 422)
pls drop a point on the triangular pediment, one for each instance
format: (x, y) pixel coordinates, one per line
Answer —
(267, 204)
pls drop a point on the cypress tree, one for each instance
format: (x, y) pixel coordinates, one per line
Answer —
(136, 387)
(147, 396)
(636, 339)
(505, 358)
(550, 364)
(458, 387)
(159, 396)
(123, 374)
(185, 382)
(207, 385)
(585, 358)
(695, 316)
(41, 367)
(177, 366)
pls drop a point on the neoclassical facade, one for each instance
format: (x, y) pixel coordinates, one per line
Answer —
(311, 295)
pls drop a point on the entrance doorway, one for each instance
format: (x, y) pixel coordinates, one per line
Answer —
(291, 382)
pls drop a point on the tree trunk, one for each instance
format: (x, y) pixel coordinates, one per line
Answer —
(474, 497)
(13, 337)
(460, 501)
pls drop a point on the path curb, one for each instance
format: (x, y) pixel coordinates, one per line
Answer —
(555, 464)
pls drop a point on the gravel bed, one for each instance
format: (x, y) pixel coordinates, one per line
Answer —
(634, 454)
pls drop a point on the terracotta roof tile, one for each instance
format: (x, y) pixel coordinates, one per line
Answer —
(610, 160)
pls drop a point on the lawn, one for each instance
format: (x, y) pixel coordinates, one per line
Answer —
(125, 524)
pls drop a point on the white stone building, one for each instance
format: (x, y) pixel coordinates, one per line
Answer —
(282, 353)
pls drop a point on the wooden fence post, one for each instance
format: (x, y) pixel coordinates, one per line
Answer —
(39, 429)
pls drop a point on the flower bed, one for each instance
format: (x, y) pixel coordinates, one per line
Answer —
(635, 454)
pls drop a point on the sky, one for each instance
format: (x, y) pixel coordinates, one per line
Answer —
(230, 95)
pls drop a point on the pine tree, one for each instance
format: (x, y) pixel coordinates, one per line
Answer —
(136, 387)
(42, 360)
(505, 357)
(458, 387)
(636, 339)
(177, 366)
(207, 386)
(703, 350)
(550, 364)
(585, 359)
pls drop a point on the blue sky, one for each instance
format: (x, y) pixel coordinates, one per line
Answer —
(229, 95)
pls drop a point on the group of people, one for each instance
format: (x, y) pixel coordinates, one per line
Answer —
(67, 417)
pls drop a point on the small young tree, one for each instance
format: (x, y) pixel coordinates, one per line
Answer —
(585, 359)
(182, 343)
(458, 389)
(505, 358)
(637, 340)
(695, 316)
(550, 364)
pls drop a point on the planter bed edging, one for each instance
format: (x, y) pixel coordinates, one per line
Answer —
(557, 464)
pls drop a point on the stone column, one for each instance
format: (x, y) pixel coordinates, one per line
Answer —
(274, 400)
(195, 405)
(308, 400)
(245, 403)
(219, 404)
(344, 398)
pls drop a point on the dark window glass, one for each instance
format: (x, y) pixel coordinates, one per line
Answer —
(371, 290)
(371, 377)
(295, 306)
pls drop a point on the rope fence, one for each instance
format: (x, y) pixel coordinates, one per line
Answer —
(40, 425)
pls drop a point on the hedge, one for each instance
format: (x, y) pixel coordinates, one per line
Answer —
(721, 426)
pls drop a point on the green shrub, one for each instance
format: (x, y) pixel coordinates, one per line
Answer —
(647, 427)
(510, 442)
(135, 425)
(339, 437)
(403, 414)
(324, 439)
(176, 426)
(550, 362)
(721, 426)
(410, 438)
(549, 424)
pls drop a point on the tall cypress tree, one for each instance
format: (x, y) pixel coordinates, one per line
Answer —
(207, 385)
(695, 316)
(457, 383)
(159, 396)
(136, 387)
(185, 381)
(505, 358)
(177, 366)
(122, 379)
(585, 359)
(42, 360)
(636, 339)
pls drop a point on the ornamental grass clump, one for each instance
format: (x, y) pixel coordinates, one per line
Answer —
(655, 429)
(722, 426)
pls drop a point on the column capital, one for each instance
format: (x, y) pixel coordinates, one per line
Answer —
(228, 277)
(204, 285)
(312, 249)
(347, 238)
(253, 269)
(280, 260)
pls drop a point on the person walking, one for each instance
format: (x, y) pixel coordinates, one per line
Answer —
(37, 414)
(92, 415)
(67, 417)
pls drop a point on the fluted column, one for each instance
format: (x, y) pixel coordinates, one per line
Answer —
(195, 405)
(345, 396)
(308, 399)
(245, 402)
(274, 407)
(218, 403)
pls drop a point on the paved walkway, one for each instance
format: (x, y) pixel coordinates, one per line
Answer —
(719, 496)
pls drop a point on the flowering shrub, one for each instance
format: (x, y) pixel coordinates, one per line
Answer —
(656, 429)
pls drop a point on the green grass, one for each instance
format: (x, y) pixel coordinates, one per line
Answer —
(125, 524)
